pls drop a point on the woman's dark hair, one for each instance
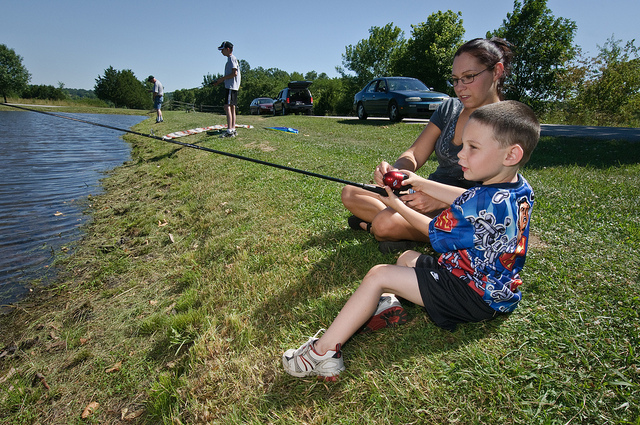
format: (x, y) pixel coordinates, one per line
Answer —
(489, 52)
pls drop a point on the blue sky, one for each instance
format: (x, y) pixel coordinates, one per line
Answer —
(74, 41)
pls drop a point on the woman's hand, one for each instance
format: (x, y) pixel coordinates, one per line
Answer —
(382, 169)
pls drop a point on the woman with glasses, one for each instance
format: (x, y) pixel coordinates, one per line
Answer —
(479, 69)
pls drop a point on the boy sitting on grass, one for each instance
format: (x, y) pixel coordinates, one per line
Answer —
(482, 237)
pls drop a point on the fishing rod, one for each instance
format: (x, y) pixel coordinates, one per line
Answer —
(371, 188)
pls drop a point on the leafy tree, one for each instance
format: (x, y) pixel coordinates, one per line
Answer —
(14, 77)
(374, 56)
(106, 87)
(185, 95)
(123, 89)
(325, 92)
(429, 52)
(44, 92)
(210, 94)
(80, 93)
(542, 45)
(260, 82)
(610, 92)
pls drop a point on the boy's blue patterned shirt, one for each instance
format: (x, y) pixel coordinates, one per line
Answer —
(483, 239)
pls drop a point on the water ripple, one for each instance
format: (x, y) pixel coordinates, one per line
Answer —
(49, 167)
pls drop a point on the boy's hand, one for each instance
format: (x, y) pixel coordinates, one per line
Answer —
(391, 200)
(413, 180)
(422, 202)
(443, 195)
(416, 219)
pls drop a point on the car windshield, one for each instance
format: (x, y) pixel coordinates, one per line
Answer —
(407, 85)
(261, 101)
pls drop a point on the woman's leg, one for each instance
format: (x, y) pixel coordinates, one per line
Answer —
(362, 203)
(388, 225)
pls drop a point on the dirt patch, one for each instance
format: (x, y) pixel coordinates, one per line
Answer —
(263, 146)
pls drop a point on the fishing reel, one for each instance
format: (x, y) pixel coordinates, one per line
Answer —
(394, 180)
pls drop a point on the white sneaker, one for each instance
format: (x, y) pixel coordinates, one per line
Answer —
(388, 314)
(305, 361)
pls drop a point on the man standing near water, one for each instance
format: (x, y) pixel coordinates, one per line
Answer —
(232, 84)
(158, 96)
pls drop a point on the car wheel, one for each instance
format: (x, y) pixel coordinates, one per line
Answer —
(394, 112)
(362, 114)
(284, 112)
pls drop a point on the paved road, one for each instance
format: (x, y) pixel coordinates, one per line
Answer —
(591, 132)
(579, 131)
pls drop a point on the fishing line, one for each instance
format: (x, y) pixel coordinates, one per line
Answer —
(372, 188)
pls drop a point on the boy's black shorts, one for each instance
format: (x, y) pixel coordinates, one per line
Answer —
(231, 97)
(447, 299)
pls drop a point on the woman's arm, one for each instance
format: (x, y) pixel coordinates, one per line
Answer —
(414, 157)
(420, 151)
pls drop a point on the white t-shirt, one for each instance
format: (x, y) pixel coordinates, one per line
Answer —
(232, 83)
(158, 90)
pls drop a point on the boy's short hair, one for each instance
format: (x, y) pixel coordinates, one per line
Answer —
(513, 123)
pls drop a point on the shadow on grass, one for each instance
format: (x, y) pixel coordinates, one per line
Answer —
(170, 153)
(369, 123)
(560, 151)
(306, 305)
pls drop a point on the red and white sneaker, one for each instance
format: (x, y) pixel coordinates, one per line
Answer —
(305, 361)
(388, 314)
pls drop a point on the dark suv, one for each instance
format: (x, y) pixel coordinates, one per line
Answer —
(296, 98)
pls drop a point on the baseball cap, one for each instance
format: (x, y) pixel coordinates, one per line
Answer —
(225, 45)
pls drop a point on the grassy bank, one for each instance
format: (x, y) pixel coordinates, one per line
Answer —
(74, 106)
(199, 270)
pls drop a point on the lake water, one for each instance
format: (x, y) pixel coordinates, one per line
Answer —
(49, 168)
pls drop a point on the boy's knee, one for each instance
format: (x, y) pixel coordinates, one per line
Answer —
(408, 258)
(376, 274)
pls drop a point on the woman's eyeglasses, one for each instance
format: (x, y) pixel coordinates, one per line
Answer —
(465, 79)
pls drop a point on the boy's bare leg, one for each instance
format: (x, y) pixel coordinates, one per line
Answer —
(401, 281)
(232, 124)
(227, 111)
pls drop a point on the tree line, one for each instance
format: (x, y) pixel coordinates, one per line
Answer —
(549, 71)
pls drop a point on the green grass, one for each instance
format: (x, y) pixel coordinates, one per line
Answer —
(199, 270)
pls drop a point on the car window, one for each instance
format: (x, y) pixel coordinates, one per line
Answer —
(371, 88)
(382, 86)
(415, 85)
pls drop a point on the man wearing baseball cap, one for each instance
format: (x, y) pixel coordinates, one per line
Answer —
(158, 96)
(231, 80)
